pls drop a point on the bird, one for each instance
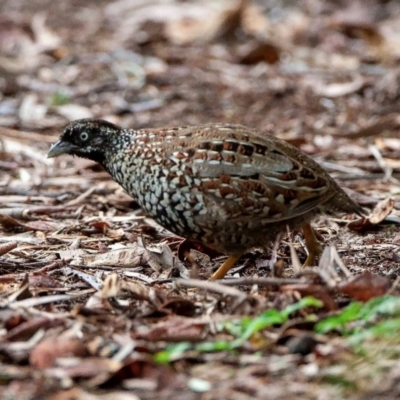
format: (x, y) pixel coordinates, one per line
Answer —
(230, 187)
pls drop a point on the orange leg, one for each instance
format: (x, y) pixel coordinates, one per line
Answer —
(225, 267)
(312, 244)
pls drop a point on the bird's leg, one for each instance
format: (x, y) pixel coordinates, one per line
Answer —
(225, 267)
(313, 246)
(274, 255)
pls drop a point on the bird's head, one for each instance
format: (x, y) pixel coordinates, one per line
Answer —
(87, 138)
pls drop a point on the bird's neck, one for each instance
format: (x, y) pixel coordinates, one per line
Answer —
(120, 157)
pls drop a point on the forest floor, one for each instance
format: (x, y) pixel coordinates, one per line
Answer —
(98, 301)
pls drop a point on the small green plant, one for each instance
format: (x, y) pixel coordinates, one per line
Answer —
(59, 99)
(243, 329)
(247, 327)
(379, 317)
(172, 352)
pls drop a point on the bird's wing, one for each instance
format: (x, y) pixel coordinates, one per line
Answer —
(244, 173)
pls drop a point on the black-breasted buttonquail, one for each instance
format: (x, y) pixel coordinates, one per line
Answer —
(231, 187)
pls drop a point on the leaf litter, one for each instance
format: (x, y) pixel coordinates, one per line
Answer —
(98, 301)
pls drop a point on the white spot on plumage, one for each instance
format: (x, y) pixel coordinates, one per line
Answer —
(176, 197)
(309, 189)
(214, 162)
(197, 207)
(175, 181)
(281, 182)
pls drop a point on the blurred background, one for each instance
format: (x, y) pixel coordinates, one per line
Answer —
(292, 68)
(323, 75)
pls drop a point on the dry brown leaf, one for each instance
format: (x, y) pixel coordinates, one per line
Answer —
(83, 368)
(254, 52)
(9, 222)
(378, 214)
(186, 246)
(176, 329)
(44, 226)
(211, 27)
(140, 291)
(160, 257)
(28, 328)
(43, 281)
(381, 211)
(102, 226)
(141, 367)
(320, 292)
(45, 353)
(131, 256)
(365, 286)
(6, 247)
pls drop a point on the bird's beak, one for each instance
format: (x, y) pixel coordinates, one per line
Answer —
(59, 148)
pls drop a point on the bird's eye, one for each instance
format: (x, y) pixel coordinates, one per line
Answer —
(84, 136)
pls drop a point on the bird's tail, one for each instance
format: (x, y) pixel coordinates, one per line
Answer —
(341, 201)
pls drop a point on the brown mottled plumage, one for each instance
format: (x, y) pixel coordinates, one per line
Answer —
(228, 186)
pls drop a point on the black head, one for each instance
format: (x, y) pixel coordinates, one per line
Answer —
(86, 138)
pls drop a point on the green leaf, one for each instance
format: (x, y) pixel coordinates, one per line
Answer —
(356, 317)
(59, 99)
(305, 302)
(385, 305)
(385, 329)
(243, 329)
(271, 317)
(219, 345)
(172, 352)
(339, 321)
